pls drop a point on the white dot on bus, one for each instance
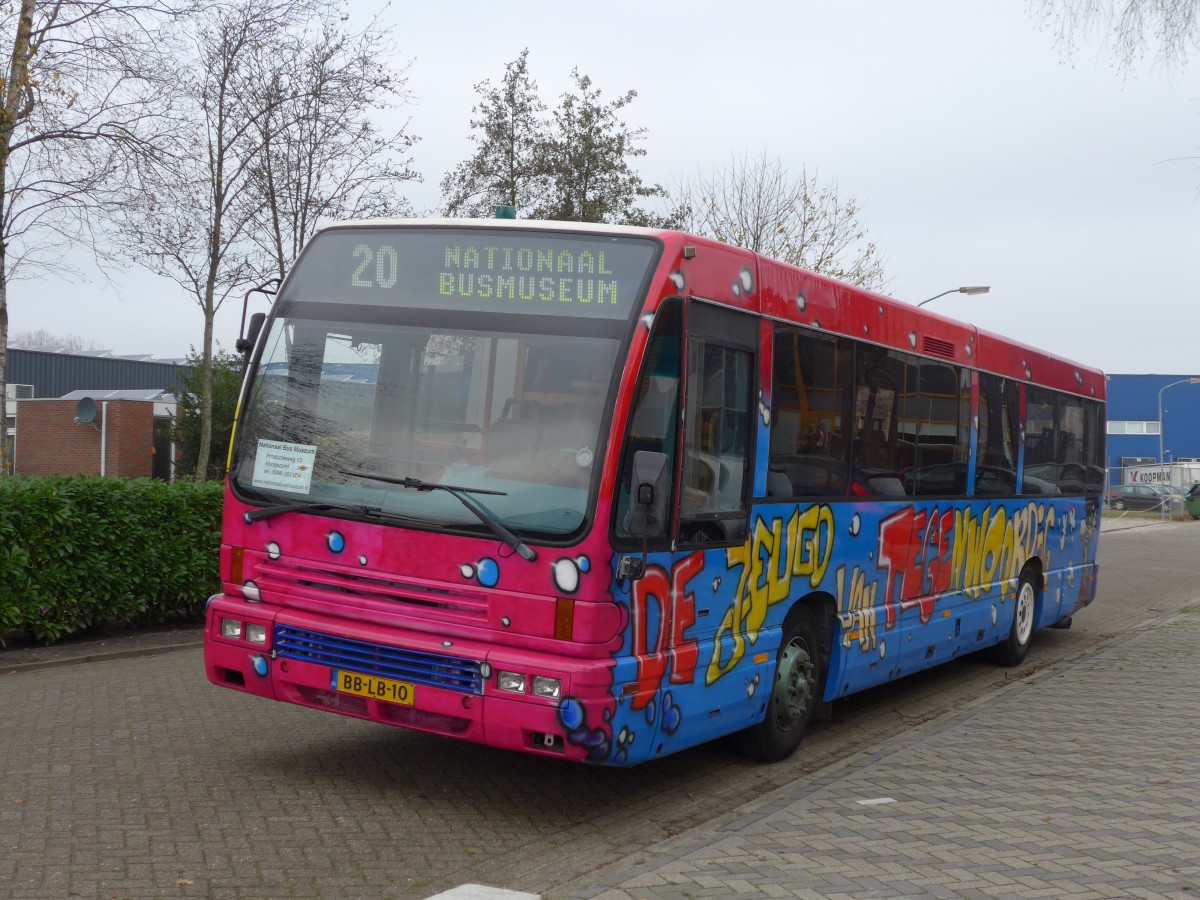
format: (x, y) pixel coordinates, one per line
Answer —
(566, 576)
(273, 550)
(747, 280)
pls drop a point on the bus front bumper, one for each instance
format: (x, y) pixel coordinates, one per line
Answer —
(409, 679)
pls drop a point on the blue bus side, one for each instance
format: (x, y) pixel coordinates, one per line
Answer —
(899, 585)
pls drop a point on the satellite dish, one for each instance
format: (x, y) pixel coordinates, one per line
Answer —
(85, 411)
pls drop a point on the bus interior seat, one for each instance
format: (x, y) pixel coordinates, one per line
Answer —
(778, 484)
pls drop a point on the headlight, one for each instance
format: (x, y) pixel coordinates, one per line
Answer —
(231, 628)
(513, 682)
(256, 634)
(546, 687)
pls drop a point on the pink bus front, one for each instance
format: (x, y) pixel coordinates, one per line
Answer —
(408, 520)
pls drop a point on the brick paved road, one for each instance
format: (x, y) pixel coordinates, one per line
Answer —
(1081, 783)
(135, 778)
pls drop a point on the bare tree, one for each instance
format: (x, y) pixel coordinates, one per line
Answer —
(321, 156)
(81, 109)
(1129, 25)
(758, 204)
(508, 167)
(43, 338)
(192, 222)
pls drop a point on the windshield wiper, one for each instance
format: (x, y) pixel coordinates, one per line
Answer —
(373, 512)
(459, 494)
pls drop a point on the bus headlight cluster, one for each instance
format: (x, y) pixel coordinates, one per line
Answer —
(513, 682)
(518, 683)
(237, 630)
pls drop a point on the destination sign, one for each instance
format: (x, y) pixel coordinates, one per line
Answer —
(493, 270)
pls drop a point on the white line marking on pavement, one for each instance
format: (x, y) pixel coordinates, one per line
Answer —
(482, 892)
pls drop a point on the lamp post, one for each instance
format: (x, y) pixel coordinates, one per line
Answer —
(1162, 461)
(981, 289)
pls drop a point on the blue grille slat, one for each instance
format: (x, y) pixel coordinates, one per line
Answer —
(416, 666)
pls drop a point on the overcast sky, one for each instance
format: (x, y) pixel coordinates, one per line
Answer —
(978, 155)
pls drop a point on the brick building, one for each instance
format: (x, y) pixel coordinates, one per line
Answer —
(119, 437)
(124, 437)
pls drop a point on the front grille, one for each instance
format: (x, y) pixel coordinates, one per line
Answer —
(451, 673)
(283, 579)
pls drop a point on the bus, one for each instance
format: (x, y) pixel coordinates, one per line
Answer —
(604, 493)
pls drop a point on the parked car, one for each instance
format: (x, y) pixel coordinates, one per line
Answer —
(1138, 496)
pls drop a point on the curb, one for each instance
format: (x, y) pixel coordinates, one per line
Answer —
(18, 668)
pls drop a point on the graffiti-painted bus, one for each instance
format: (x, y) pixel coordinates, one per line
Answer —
(603, 493)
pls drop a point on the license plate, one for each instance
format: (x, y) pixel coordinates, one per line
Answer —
(375, 688)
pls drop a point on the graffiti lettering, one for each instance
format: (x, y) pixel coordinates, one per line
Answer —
(993, 547)
(915, 554)
(857, 602)
(770, 559)
(676, 608)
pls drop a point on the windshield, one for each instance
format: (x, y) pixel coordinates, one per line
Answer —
(517, 412)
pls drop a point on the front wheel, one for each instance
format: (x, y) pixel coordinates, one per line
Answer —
(1020, 636)
(795, 693)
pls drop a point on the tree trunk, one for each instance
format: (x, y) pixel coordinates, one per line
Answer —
(14, 102)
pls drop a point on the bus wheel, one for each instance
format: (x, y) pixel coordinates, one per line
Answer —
(795, 693)
(1012, 651)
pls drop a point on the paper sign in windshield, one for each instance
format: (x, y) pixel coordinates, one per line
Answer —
(284, 467)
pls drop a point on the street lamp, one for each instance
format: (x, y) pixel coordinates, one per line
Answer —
(983, 289)
(1162, 461)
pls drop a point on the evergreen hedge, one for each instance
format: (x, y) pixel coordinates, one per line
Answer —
(80, 552)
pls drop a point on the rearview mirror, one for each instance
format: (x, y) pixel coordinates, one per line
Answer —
(651, 490)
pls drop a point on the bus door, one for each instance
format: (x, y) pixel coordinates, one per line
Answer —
(693, 405)
(715, 485)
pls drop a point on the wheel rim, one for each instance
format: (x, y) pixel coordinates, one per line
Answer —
(795, 682)
(1024, 612)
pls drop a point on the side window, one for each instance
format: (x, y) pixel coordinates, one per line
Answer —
(999, 426)
(1093, 448)
(716, 459)
(1039, 427)
(1063, 444)
(810, 395)
(719, 423)
(885, 387)
(939, 416)
(655, 415)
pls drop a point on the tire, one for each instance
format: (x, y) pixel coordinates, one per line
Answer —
(1118, 504)
(1020, 636)
(795, 693)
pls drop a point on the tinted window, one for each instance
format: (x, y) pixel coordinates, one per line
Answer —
(999, 426)
(810, 394)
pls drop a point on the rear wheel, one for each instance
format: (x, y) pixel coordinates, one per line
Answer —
(1012, 651)
(1118, 504)
(795, 693)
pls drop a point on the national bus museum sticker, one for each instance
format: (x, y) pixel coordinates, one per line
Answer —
(285, 467)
